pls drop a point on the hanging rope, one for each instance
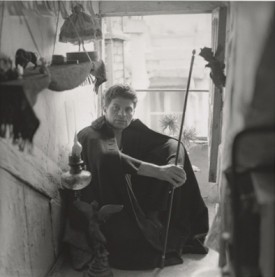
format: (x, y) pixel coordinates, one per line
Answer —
(30, 31)
(57, 22)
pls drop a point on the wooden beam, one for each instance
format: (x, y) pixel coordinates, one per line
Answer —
(218, 38)
(215, 137)
(135, 8)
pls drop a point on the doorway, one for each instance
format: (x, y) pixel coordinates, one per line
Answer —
(152, 54)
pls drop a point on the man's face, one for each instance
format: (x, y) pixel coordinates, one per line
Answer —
(120, 112)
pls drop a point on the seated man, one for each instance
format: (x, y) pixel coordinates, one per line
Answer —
(133, 166)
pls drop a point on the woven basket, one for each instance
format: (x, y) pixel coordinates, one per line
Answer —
(68, 76)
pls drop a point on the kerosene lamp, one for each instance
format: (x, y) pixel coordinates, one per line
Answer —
(76, 178)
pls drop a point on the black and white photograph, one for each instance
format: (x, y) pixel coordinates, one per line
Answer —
(137, 138)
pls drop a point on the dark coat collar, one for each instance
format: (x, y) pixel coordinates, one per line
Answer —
(99, 123)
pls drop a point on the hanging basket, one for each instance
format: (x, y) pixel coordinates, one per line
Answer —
(68, 76)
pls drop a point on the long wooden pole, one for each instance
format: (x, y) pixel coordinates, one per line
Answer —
(171, 192)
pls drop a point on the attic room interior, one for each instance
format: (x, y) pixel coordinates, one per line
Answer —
(58, 62)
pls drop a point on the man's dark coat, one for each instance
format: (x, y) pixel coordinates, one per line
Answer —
(133, 240)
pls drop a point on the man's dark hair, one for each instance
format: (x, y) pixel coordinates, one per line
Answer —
(120, 90)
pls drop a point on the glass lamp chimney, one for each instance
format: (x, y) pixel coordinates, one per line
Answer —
(76, 178)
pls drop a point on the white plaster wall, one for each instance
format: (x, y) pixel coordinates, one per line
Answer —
(61, 114)
(30, 224)
(30, 208)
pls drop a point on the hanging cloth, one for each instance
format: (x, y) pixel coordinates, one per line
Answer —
(80, 27)
(99, 72)
(17, 118)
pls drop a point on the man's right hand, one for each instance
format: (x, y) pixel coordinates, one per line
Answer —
(173, 174)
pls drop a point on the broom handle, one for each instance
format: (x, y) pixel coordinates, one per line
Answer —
(176, 161)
